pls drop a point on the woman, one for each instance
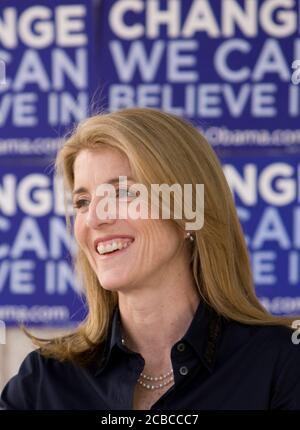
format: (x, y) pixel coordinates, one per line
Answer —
(173, 321)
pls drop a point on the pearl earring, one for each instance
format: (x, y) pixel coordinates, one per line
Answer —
(190, 236)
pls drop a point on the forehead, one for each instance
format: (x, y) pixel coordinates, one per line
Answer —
(100, 165)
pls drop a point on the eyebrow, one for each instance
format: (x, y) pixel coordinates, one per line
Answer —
(111, 181)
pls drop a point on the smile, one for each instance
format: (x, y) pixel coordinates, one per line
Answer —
(114, 247)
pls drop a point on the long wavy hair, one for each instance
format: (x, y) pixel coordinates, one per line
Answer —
(162, 148)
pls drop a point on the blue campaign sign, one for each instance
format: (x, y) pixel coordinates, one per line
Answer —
(37, 281)
(232, 67)
(46, 74)
(267, 196)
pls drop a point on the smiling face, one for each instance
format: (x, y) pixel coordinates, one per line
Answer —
(152, 250)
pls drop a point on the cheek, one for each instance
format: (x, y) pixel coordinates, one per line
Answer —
(79, 229)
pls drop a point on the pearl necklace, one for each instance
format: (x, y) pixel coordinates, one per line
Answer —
(162, 380)
(146, 381)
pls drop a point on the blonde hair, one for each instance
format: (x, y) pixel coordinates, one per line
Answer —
(162, 148)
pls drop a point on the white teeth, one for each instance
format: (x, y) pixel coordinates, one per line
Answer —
(103, 249)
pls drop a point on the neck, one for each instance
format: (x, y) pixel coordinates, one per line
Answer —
(153, 321)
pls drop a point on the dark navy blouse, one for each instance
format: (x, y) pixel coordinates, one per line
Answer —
(218, 364)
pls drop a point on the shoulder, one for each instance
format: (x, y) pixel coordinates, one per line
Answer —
(276, 341)
(273, 353)
(285, 345)
(274, 337)
(36, 364)
(280, 341)
(35, 375)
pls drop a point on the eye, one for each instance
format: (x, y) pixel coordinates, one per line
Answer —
(124, 192)
(80, 203)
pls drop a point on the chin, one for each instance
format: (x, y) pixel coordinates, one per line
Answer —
(110, 283)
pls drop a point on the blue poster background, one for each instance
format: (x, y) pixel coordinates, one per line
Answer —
(37, 280)
(48, 51)
(266, 192)
(228, 66)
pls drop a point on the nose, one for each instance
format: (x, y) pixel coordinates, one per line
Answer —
(99, 213)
